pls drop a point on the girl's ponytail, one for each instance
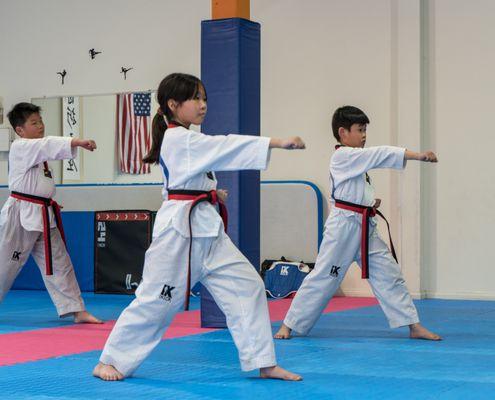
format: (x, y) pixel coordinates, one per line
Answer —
(158, 128)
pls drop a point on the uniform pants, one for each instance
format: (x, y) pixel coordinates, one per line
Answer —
(16, 244)
(223, 270)
(339, 248)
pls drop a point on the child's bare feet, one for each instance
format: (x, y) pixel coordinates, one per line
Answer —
(283, 332)
(418, 331)
(107, 372)
(84, 317)
(277, 372)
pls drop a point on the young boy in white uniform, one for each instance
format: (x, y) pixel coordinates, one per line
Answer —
(30, 220)
(353, 206)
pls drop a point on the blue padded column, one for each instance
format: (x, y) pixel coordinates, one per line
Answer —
(230, 70)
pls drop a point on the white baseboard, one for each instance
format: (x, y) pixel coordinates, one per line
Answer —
(425, 295)
(369, 293)
(460, 295)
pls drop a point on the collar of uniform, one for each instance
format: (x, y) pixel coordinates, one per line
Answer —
(175, 124)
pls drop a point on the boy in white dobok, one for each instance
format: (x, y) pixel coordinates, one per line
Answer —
(351, 235)
(30, 221)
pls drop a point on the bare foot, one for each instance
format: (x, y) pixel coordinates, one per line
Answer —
(84, 317)
(277, 372)
(418, 331)
(107, 372)
(283, 332)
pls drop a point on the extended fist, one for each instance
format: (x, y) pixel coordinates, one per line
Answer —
(293, 143)
(428, 156)
(84, 143)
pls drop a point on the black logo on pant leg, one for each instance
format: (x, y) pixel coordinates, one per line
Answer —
(334, 271)
(16, 255)
(167, 292)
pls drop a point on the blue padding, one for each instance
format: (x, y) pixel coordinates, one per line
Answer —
(349, 354)
(211, 316)
(230, 71)
(79, 232)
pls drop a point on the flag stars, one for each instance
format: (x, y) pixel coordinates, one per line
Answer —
(142, 104)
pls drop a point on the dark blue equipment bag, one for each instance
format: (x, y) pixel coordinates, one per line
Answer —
(283, 278)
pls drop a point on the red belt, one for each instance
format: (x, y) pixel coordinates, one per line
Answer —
(366, 212)
(45, 203)
(197, 196)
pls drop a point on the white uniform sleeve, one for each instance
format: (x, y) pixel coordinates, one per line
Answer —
(34, 151)
(226, 153)
(348, 163)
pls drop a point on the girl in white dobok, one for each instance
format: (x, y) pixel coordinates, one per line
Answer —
(189, 242)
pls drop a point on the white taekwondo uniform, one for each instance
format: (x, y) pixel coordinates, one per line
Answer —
(341, 244)
(21, 222)
(186, 157)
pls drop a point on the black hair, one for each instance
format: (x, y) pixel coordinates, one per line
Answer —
(178, 87)
(345, 117)
(21, 112)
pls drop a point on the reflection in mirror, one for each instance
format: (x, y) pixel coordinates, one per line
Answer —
(97, 121)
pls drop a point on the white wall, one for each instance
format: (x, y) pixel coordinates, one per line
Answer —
(462, 189)
(155, 37)
(423, 72)
(37, 39)
(420, 69)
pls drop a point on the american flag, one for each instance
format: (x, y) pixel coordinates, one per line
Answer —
(133, 132)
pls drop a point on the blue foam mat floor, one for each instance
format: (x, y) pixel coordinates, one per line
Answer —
(349, 355)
